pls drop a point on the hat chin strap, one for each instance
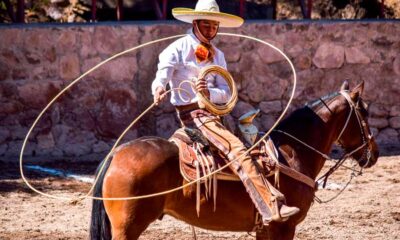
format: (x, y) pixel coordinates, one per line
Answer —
(199, 35)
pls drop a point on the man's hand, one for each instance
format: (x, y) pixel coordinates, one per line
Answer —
(201, 86)
(159, 95)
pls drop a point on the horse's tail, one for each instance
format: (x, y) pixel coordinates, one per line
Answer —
(100, 228)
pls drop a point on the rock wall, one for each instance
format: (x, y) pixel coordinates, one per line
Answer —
(37, 62)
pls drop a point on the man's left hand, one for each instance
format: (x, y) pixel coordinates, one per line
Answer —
(201, 86)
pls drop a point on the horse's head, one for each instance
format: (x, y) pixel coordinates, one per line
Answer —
(355, 136)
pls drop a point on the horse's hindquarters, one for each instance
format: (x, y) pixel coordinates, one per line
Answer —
(144, 166)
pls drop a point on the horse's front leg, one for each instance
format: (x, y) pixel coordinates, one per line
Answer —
(276, 231)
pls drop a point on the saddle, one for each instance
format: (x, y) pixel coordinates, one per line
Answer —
(198, 158)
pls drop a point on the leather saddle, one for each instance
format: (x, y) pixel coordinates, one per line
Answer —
(197, 157)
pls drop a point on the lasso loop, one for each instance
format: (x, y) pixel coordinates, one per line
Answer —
(78, 198)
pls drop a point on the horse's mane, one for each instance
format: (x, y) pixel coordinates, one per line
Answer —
(301, 118)
(305, 116)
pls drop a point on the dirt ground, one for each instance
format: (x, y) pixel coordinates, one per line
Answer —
(368, 209)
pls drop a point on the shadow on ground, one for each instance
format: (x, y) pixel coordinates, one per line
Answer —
(11, 181)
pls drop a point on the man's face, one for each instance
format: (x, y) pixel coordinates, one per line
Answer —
(208, 28)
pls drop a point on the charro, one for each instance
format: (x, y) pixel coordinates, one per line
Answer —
(184, 59)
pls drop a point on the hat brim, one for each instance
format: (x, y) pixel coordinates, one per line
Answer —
(225, 20)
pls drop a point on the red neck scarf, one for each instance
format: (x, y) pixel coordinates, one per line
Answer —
(204, 51)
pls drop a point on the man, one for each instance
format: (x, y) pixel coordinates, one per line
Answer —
(182, 60)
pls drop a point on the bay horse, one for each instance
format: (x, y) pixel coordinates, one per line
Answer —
(150, 164)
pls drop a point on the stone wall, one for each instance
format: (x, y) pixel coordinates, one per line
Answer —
(37, 62)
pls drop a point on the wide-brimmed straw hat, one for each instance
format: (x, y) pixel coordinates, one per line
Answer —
(207, 10)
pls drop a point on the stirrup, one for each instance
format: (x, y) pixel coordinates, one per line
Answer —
(275, 216)
(277, 205)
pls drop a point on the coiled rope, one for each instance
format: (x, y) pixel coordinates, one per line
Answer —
(206, 103)
(87, 196)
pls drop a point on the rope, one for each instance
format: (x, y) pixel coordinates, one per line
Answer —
(352, 175)
(135, 120)
(206, 103)
(305, 144)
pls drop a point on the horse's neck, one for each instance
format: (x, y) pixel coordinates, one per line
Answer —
(334, 122)
(319, 133)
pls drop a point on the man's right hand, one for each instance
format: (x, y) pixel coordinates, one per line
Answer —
(159, 95)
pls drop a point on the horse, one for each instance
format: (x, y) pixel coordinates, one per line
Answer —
(150, 164)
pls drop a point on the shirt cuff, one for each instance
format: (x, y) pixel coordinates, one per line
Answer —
(218, 95)
(155, 85)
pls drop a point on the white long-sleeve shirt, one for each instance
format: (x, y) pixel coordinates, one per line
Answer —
(178, 63)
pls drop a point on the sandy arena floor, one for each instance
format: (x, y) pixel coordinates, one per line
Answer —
(368, 209)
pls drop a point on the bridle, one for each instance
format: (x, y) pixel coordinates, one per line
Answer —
(365, 132)
(354, 108)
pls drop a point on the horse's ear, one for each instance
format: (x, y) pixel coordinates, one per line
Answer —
(357, 91)
(345, 86)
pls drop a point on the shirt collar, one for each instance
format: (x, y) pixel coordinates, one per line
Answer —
(193, 39)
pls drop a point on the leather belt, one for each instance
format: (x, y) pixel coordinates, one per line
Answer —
(186, 113)
(187, 108)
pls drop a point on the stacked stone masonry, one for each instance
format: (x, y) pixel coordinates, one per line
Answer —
(37, 62)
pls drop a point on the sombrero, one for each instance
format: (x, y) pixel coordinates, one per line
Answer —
(207, 10)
